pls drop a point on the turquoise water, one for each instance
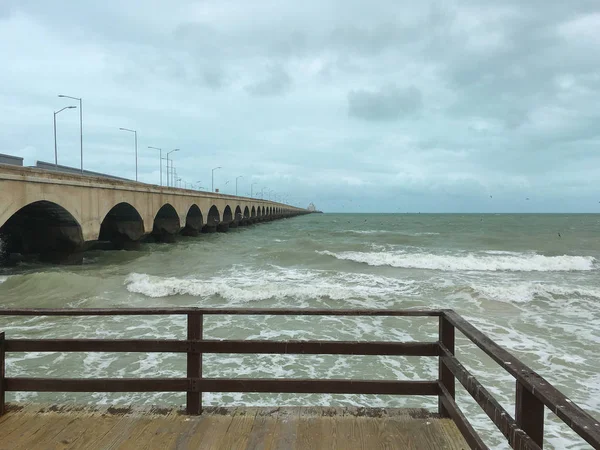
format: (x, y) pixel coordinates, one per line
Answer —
(513, 276)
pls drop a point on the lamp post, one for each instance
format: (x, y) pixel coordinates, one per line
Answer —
(168, 153)
(236, 184)
(55, 145)
(160, 150)
(213, 178)
(251, 190)
(136, 159)
(80, 124)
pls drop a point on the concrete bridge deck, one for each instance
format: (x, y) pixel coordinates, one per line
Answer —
(69, 427)
(51, 212)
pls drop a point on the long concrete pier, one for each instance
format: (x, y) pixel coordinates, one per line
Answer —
(55, 214)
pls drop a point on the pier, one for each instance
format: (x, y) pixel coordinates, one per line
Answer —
(56, 215)
(65, 426)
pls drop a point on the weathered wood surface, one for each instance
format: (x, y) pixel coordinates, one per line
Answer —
(79, 427)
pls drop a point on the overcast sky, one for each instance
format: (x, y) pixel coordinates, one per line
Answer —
(387, 106)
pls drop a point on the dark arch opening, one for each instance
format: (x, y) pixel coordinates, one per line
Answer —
(123, 227)
(253, 213)
(246, 213)
(227, 220)
(41, 228)
(193, 222)
(212, 220)
(166, 224)
(263, 210)
(238, 218)
(259, 211)
(227, 215)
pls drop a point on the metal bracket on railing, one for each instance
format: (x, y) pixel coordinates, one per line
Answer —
(194, 346)
(194, 385)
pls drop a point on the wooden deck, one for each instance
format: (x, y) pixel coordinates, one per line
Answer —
(75, 427)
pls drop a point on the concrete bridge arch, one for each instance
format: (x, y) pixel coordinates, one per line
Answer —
(74, 209)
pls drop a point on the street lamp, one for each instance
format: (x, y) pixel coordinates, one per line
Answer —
(136, 164)
(168, 153)
(236, 183)
(213, 178)
(55, 146)
(80, 124)
(251, 190)
(160, 150)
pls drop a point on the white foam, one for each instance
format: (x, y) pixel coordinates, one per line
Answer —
(3, 279)
(528, 291)
(403, 233)
(521, 262)
(242, 285)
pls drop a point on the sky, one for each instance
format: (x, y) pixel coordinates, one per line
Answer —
(379, 106)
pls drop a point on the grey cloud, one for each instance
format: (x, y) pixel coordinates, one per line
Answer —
(370, 40)
(276, 82)
(500, 95)
(387, 103)
(214, 77)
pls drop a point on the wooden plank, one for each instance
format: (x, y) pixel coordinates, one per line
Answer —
(262, 434)
(462, 423)
(235, 428)
(576, 418)
(217, 311)
(97, 345)
(193, 344)
(394, 432)
(152, 431)
(529, 414)
(211, 430)
(321, 347)
(308, 433)
(73, 431)
(98, 426)
(30, 425)
(445, 375)
(347, 431)
(44, 436)
(285, 429)
(320, 386)
(97, 384)
(2, 373)
(223, 385)
(194, 364)
(237, 435)
(515, 436)
(431, 434)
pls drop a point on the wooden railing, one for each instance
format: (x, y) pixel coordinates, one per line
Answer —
(524, 431)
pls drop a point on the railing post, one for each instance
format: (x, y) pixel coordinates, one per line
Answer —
(2, 373)
(529, 414)
(194, 363)
(446, 376)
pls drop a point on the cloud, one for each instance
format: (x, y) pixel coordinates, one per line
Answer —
(275, 82)
(472, 96)
(387, 103)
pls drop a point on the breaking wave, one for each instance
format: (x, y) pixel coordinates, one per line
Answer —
(518, 262)
(244, 285)
(528, 291)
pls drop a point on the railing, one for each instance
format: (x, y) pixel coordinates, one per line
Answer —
(525, 431)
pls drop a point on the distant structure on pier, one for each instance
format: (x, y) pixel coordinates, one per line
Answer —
(312, 208)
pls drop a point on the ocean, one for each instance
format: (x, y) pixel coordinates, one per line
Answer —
(531, 282)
